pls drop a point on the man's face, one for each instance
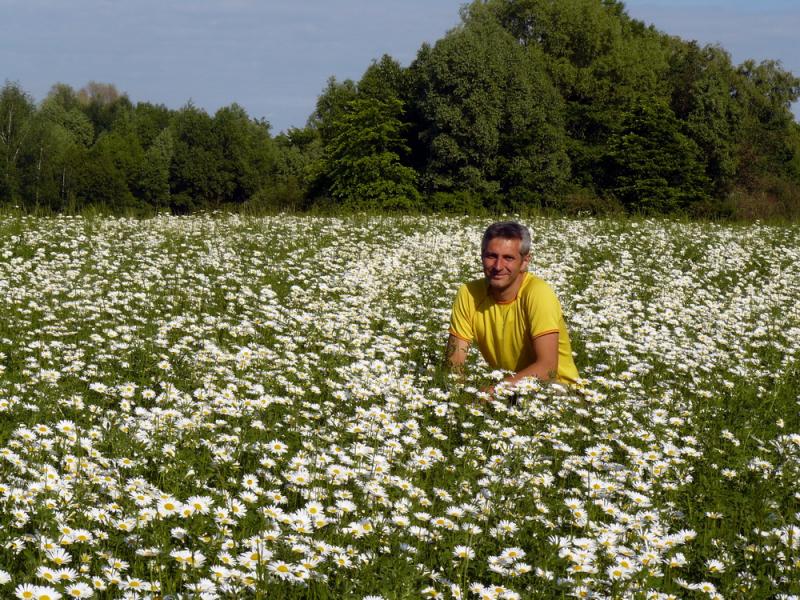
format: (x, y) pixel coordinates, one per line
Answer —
(502, 262)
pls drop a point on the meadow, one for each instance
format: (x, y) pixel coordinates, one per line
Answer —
(231, 407)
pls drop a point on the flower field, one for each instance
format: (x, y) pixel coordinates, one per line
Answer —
(230, 407)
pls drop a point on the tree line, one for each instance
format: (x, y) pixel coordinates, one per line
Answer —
(570, 105)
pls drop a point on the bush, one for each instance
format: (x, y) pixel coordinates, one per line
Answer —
(279, 196)
(460, 202)
(585, 201)
(770, 197)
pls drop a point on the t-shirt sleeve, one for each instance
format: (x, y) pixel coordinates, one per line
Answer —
(461, 316)
(544, 310)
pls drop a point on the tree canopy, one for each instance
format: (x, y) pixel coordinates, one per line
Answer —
(566, 104)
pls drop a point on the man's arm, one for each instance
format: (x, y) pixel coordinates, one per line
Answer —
(456, 353)
(545, 367)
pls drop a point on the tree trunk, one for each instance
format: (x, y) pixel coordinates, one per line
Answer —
(38, 177)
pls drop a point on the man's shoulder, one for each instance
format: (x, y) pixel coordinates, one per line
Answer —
(472, 292)
(535, 288)
(533, 284)
(475, 288)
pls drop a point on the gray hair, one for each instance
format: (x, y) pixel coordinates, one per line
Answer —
(509, 230)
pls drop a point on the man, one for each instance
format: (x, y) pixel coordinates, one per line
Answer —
(513, 316)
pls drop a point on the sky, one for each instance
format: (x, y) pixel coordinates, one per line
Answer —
(273, 57)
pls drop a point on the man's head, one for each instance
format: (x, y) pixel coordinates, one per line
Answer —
(505, 253)
(509, 230)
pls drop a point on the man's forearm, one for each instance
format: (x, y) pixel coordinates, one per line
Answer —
(540, 370)
(456, 353)
(545, 367)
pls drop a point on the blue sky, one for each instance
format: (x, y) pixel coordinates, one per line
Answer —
(274, 56)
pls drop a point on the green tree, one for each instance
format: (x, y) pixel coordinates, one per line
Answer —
(767, 143)
(246, 153)
(364, 163)
(113, 173)
(63, 95)
(149, 121)
(298, 157)
(385, 80)
(602, 62)
(94, 180)
(104, 105)
(224, 159)
(196, 179)
(126, 154)
(491, 120)
(16, 119)
(655, 167)
(330, 107)
(154, 185)
(701, 81)
(61, 126)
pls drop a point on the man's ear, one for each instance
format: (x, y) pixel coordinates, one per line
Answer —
(525, 260)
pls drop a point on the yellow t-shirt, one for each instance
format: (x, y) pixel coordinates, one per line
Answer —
(505, 331)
